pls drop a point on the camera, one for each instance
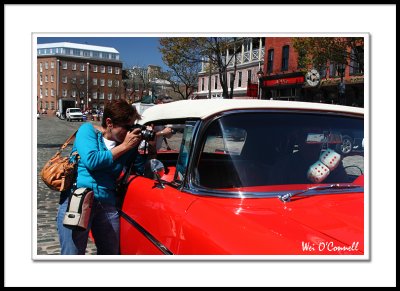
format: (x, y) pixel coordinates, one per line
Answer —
(146, 134)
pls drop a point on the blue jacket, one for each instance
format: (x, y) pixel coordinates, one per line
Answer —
(96, 168)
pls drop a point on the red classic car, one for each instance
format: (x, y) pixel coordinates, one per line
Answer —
(248, 177)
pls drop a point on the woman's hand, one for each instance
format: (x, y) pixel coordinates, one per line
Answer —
(132, 138)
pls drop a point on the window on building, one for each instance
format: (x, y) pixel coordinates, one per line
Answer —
(41, 79)
(109, 96)
(102, 69)
(109, 82)
(41, 92)
(246, 45)
(285, 58)
(52, 78)
(101, 95)
(73, 80)
(46, 92)
(202, 84)
(73, 67)
(116, 70)
(46, 79)
(73, 93)
(333, 70)
(94, 68)
(96, 55)
(46, 104)
(82, 81)
(215, 82)
(102, 82)
(94, 81)
(94, 95)
(64, 92)
(249, 76)
(231, 80)
(64, 65)
(46, 65)
(40, 67)
(76, 52)
(357, 61)
(82, 66)
(52, 92)
(52, 105)
(256, 43)
(240, 79)
(86, 53)
(109, 69)
(52, 65)
(116, 83)
(82, 94)
(270, 63)
(64, 79)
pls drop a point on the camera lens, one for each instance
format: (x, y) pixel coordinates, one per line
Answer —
(148, 135)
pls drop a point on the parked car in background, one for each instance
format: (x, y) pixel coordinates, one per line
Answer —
(351, 142)
(248, 177)
(74, 114)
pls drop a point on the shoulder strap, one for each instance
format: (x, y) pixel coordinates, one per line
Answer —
(68, 141)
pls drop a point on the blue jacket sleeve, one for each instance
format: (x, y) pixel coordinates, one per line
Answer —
(92, 155)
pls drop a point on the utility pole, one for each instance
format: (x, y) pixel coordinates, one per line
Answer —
(87, 87)
(58, 82)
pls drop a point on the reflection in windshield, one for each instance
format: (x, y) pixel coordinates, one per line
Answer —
(280, 149)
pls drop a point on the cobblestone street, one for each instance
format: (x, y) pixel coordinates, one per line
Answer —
(51, 134)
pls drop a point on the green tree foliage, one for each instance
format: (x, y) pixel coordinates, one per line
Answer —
(320, 52)
(182, 56)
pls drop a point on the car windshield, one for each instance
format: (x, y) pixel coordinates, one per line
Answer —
(265, 149)
(75, 110)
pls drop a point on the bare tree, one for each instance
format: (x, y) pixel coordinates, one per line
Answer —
(189, 51)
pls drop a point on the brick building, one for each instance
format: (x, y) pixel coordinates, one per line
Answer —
(283, 79)
(86, 74)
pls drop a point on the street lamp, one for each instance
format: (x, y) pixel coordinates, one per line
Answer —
(260, 74)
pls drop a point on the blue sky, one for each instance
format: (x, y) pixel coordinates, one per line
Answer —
(134, 51)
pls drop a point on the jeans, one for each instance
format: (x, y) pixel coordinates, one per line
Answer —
(104, 224)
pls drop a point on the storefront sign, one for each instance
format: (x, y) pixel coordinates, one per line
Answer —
(284, 81)
(313, 78)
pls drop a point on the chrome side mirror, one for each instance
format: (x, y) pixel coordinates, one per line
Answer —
(158, 170)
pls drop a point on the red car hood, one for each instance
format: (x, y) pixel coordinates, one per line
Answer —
(319, 224)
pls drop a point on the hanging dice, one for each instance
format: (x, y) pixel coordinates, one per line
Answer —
(330, 158)
(317, 172)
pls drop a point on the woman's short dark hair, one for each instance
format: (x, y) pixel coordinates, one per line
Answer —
(120, 112)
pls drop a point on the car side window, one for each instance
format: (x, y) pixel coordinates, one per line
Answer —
(184, 151)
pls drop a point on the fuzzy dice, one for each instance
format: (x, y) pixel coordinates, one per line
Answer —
(330, 158)
(317, 172)
(328, 161)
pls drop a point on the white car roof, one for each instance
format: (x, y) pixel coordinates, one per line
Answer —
(203, 108)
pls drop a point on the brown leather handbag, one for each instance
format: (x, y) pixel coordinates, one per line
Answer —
(59, 172)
